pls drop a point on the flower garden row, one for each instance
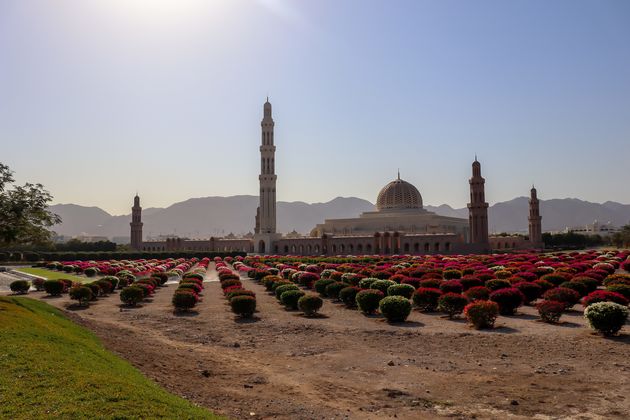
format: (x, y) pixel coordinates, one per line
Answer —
(481, 287)
(136, 280)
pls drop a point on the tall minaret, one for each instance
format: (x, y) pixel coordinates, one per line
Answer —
(136, 224)
(478, 209)
(535, 224)
(267, 207)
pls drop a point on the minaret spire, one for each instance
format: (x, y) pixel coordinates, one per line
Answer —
(266, 212)
(535, 220)
(136, 224)
(478, 209)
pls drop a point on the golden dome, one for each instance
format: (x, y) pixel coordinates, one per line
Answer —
(399, 194)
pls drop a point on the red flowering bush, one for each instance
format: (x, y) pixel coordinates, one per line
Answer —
(426, 298)
(497, 284)
(556, 278)
(482, 313)
(452, 304)
(54, 287)
(468, 282)
(184, 299)
(589, 283)
(622, 289)
(430, 283)
(530, 290)
(411, 281)
(451, 286)
(550, 310)
(452, 274)
(604, 296)
(82, 294)
(508, 300)
(560, 294)
(617, 279)
(477, 293)
(38, 284)
(544, 284)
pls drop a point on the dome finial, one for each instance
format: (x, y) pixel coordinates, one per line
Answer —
(398, 173)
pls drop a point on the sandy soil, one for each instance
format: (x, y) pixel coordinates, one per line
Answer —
(346, 365)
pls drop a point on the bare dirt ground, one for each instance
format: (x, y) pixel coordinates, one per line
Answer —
(346, 365)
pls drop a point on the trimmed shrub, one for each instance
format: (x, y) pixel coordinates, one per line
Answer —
(508, 300)
(451, 286)
(131, 295)
(90, 272)
(184, 299)
(530, 290)
(395, 308)
(577, 286)
(95, 288)
(290, 298)
(239, 292)
(348, 296)
(368, 300)
(426, 298)
(191, 286)
(590, 283)
(382, 285)
(477, 293)
(481, 313)
(430, 283)
(106, 287)
(310, 304)
(82, 294)
(622, 289)
(452, 274)
(320, 285)
(550, 311)
(470, 282)
(555, 279)
(113, 280)
(544, 284)
(604, 296)
(606, 317)
(452, 304)
(20, 287)
(243, 306)
(38, 284)
(560, 294)
(415, 283)
(147, 289)
(54, 287)
(404, 290)
(617, 279)
(285, 288)
(333, 289)
(230, 282)
(497, 284)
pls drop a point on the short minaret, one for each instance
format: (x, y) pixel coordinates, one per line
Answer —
(136, 224)
(478, 209)
(266, 212)
(535, 220)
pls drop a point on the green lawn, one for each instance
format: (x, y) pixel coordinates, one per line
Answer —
(52, 368)
(52, 275)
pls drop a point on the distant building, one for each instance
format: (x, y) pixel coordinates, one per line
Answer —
(595, 228)
(400, 224)
(91, 238)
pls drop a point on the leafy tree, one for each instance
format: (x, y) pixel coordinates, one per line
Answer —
(24, 214)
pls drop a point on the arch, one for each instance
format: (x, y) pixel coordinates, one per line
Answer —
(360, 248)
(334, 249)
(261, 246)
(316, 249)
(286, 249)
(351, 248)
(308, 249)
(368, 248)
(416, 247)
(447, 246)
(513, 244)
(293, 249)
(406, 247)
(342, 248)
(427, 247)
(498, 245)
(301, 248)
(436, 247)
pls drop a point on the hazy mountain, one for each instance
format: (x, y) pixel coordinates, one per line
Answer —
(216, 216)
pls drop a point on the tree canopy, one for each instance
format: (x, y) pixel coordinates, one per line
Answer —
(24, 215)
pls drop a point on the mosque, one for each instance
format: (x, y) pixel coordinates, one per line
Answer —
(400, 224)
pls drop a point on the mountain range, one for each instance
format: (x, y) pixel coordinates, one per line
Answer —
(218, 216)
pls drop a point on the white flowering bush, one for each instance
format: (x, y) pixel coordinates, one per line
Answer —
(606, 317)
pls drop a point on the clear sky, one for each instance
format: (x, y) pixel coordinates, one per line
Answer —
(103, 98)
